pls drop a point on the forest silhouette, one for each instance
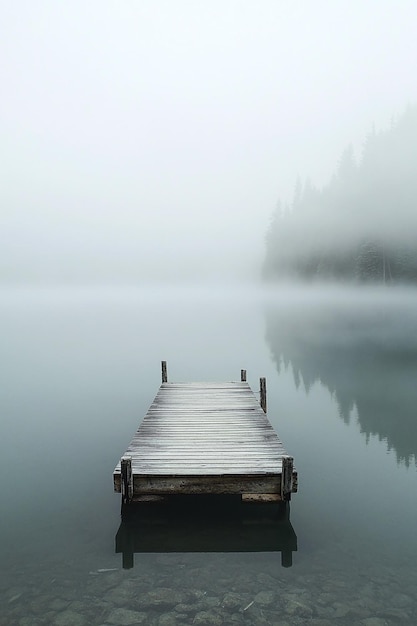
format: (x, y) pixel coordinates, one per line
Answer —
(362, 226)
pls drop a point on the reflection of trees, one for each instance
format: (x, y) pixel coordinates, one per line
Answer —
(366, 357)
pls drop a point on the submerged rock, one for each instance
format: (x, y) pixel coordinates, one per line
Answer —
(374, 621)
(168, 619)
(232, 601)
(125, 617)
(399, 615)
(58, 605)
(265, 598)
(123, 594)
(296, 608)
(70, 618)
(208, 618)
(401, 600)
(164, 597)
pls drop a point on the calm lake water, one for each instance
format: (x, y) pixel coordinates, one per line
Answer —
(80, 368)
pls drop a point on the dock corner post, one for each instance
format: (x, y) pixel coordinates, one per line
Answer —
(125, 542)
(243, 376)
(164, 371)
(286, 558)
(128, 559)
(286, 477)
(127, 479)
(263, 393)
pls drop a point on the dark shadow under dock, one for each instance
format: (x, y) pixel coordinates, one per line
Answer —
(205, 524)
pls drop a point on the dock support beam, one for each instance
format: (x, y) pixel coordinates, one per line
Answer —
(243, 376)
(127, 481)
(263, 393)
(164, 371)
(286, 477)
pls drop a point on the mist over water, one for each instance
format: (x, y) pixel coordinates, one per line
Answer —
(361, 345)
(144, 150)
(81, 368)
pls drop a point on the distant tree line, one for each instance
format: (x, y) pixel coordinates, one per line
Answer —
(362, 226)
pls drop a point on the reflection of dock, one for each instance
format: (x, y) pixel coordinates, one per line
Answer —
(205, 524)
(205, 438)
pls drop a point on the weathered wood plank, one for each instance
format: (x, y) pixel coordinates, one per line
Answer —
(204, 483)
(126, 479)
(232, 484)
(207, 438)
(164, 371)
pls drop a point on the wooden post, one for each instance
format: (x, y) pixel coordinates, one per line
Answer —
(263, 393)
(286, 477)
(286, 558)
(127, 481)
(243, 376)
(125, 541)
(128, 559)
(284, 510)
(164, 372)
(128, 552)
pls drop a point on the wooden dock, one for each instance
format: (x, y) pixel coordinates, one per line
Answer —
(206, 438)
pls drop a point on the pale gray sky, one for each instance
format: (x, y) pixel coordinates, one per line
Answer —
(153, 138)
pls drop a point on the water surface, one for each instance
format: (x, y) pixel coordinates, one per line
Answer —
(79, 370)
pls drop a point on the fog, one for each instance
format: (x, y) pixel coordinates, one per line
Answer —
(361, 345)
(152, 140)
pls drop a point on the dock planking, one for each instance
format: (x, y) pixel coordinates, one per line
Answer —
(206, 438)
